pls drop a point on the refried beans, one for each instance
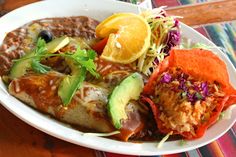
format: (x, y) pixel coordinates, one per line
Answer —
(20, 41)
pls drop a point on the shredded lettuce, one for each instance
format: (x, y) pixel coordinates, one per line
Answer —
(201, 46)
(164, 139)
(227, 113)
(164, 35)
(133, 1)
(182, 142)
(101, 134)
(189, 44)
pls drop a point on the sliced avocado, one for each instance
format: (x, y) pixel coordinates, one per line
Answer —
(20, 67)
(71, 83)
(129, 89)
(81, 42)
(57, 44)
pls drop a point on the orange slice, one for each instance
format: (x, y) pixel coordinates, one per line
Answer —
(129, 37)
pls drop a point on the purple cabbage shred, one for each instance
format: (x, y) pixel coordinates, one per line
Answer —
(196, 88)
(204, 87)
(176, 23)
(173, 38)
(190, 97)
(201, 91)
(166, 78)
(182, 79)
(183, 86)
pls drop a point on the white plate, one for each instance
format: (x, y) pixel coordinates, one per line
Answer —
(99, 10)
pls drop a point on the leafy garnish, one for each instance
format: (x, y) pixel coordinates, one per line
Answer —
(182, 142)
(164, 139)
(201, 46)
(81, 60)
(38, 52)
(198, 96)
(222, 114)
(84, 58)
(133, 1)
(38, 67)
(189, 44)
(102, 134)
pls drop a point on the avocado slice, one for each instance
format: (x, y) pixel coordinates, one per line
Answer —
(71, 83)
(20, 67)
(129, 89)
(57, 44)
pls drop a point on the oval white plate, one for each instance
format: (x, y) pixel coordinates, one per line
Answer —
(99, 11)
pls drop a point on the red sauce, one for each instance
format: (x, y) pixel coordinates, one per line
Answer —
(43, 90)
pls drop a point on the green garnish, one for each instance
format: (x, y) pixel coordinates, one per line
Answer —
(38, 51)
(183, 94)
(84, 58)
(133, 1)
(160, 26)
(164, 139)
(222, 114)
(31, 61)
(81, 61)
(188, 44)
(199, 96)
(101, 134)
(182, 142)
(201, 46)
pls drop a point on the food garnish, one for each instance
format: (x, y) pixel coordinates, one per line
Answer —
(164, 139)
(182, 142)
(32, 59)
(101, 134)
(128, 37)
(80, 62)
(21, 66)
(57, 44)
(38, 52)
(99, 46)
(188, 44)
(165, 34)
(129, 89)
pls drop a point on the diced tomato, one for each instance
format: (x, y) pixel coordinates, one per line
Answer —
(99, 46)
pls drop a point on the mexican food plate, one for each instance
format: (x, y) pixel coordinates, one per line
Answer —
(115, 77)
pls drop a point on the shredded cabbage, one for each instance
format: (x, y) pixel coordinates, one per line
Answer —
(189, 44)
(182, 142)
(101, 134)
(164, 139)
(227, 114)
(164, 35)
